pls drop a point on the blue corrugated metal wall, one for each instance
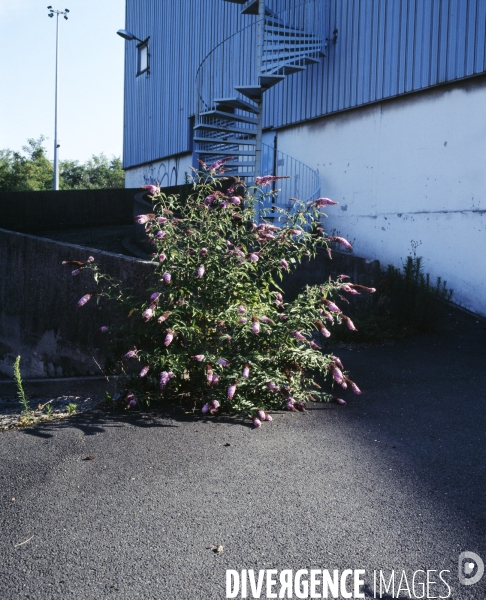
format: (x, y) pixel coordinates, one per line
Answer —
(384, 48)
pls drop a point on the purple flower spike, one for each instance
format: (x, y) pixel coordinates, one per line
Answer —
(324, 202)
(204, 251)
(337, 360)
(269, 418)
(331, 306)
(355, 388)
(246, 371)
(198, 357)
(262, 415)
(257, 423)
(272, 387)
(290, 406)
(235, 200)
(337, 374)
(90, 259)
(103, 329)
(223, 362)
(130, 354)
(241, 310)
(213, 408)
(154, 297)
(231, 391)
(284, 264)
(164, 378)
(75, 272)
(148, 314)
(350, 290)
(301, 405)
(343, 242)
(162, 257)
(255, 326)
(299, 336)
(214, 380)
(160, 234)
(132, 402)
(82, 301)
(350, 324)
(167, 277)
(243, 320)
(142, 219)
(162, 220)
(253, 257)
(144, 371)
(151, 189)
(200, 271)
(205, 409)
(325, 332)
(314, 345)
(339, 401)
(168, 338)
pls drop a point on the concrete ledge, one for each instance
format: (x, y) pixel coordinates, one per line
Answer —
(64, 386)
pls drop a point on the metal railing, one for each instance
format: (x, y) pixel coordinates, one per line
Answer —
(303, 183)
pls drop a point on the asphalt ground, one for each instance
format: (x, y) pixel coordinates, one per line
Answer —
(395, 480)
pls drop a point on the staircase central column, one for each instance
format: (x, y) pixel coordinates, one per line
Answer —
(260, 44)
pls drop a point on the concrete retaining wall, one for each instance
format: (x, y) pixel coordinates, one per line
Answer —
(39, 318)
(30, 212)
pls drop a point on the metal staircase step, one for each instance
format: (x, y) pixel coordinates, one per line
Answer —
(268, 81)
(289, 69)
(212, 127)
(288, 54)
(252, 9)
(222, 151)
(222, 103)
(310, 60)
(228, 140)
(254, 92)
(219, 114)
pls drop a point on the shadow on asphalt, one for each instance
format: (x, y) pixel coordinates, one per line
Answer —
(98, 421)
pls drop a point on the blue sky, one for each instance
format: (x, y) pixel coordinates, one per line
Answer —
(90, 76)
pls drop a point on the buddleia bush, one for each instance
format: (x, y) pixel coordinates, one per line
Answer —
(216, 326)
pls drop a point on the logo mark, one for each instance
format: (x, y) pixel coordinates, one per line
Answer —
(468, 563)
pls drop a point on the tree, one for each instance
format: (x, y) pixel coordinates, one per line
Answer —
(33, 171)
(97, 173)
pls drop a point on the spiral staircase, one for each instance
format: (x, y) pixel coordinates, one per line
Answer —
(229, 108)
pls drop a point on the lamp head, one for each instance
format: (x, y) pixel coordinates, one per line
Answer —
(126, 35)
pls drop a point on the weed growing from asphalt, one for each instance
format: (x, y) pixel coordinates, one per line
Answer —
(24, 401)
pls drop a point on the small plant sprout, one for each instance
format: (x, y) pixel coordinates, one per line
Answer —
(71, 408)
(214, 326)
(24, 401)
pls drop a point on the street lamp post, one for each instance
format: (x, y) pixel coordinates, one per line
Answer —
(53, 12)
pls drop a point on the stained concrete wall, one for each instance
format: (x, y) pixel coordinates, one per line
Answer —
(408, 173)
(167, 172)
(39, 317)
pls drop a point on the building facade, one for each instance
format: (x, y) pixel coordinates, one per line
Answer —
(378, 104)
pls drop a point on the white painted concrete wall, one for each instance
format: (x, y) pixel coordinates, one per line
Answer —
(405, 171)
(167, 172)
